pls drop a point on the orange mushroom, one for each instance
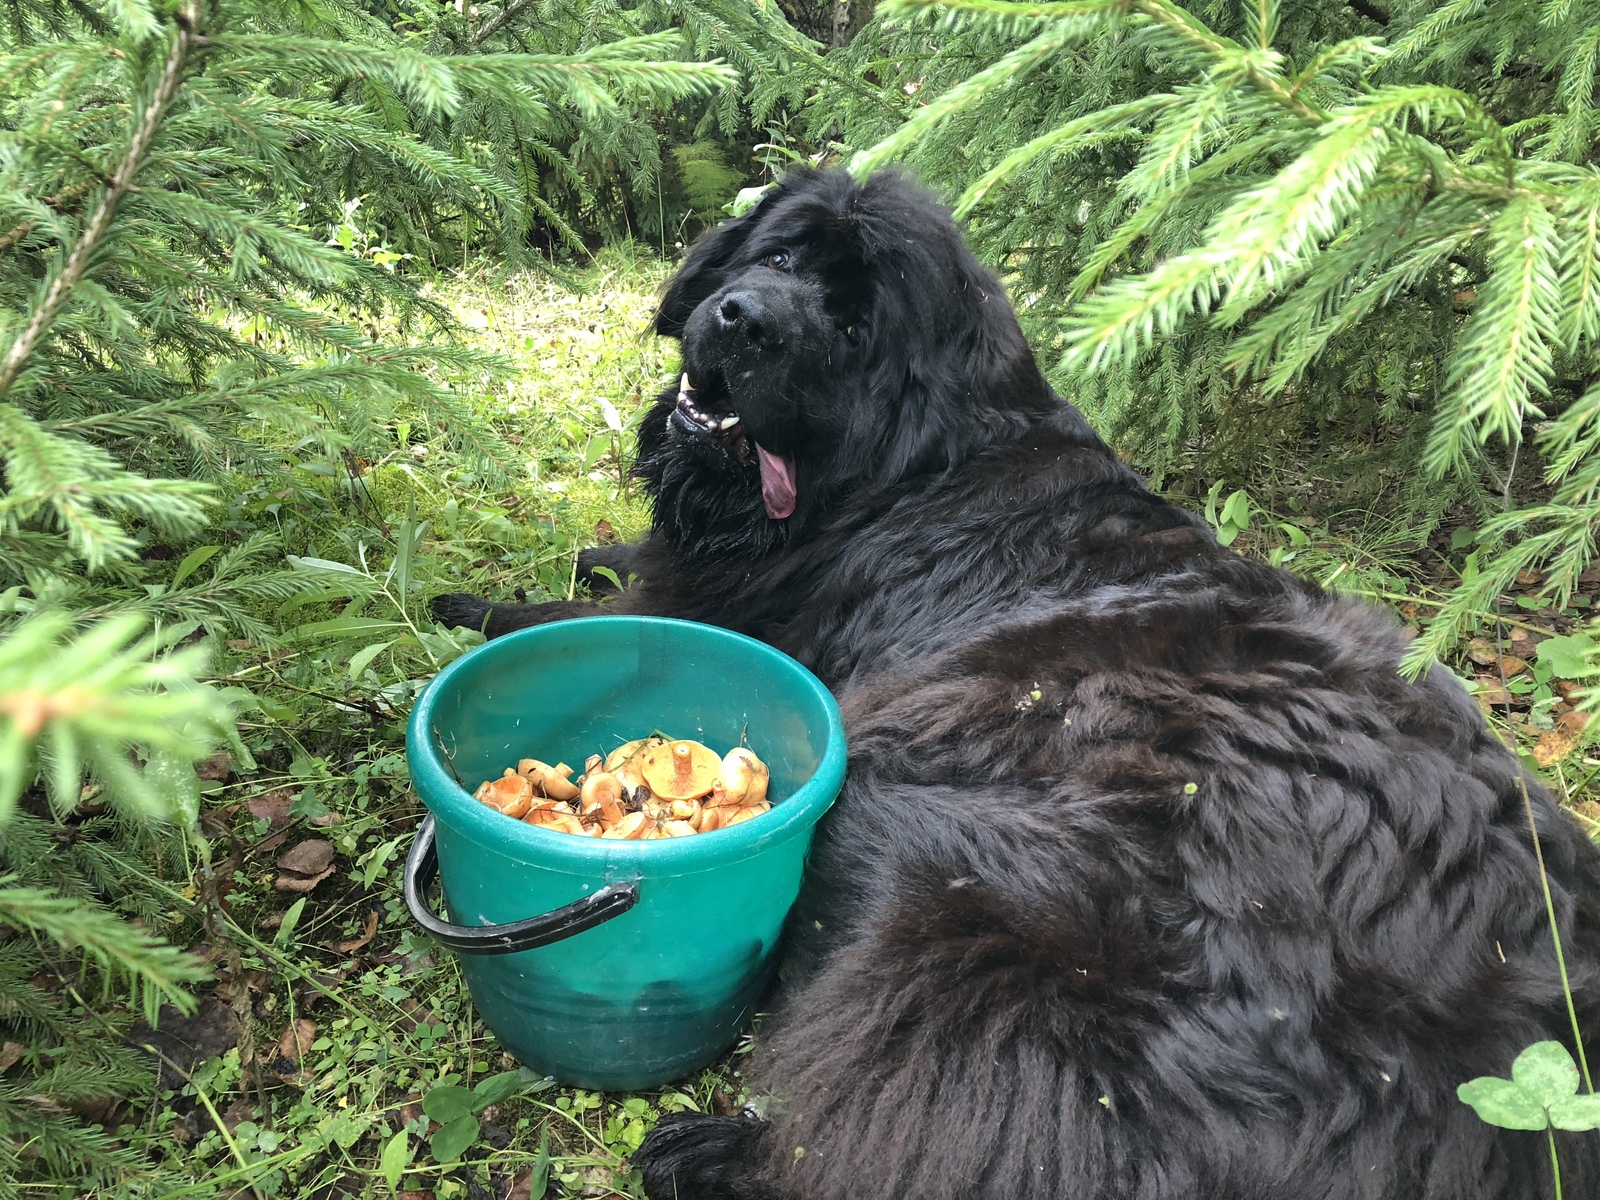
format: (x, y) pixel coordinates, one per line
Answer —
(680, 770)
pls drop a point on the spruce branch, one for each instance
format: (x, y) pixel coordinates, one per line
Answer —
(186, 39)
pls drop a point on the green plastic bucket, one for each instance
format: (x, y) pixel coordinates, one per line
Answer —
(616, 964)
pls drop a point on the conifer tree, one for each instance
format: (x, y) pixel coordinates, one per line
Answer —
(169, 305)
(1279, 216)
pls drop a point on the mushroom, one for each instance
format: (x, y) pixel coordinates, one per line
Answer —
(677, 829)
(556, 819)
(711, 819)
(743, 776)
(734, 816)
(602, 793)
(680, 770)
(555, 782)
(510, 794)
(628, 750)
(630, 828)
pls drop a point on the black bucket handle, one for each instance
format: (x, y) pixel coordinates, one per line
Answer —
(422, 864)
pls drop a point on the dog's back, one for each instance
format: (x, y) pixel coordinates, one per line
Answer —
(1152, 878)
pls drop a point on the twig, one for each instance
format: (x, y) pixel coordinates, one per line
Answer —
(99, 224)
(492, 26)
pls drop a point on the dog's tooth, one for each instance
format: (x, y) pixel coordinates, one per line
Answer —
(684, 385)
(730, 422)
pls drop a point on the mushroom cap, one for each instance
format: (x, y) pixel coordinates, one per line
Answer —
(598, 788)
(510, 794)
(627, 750)
(743, 776)
(680, 770)
(629, 828)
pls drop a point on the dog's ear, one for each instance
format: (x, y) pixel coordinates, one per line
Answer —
(701, 273)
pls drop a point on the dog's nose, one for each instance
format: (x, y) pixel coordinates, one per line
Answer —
(742, 312)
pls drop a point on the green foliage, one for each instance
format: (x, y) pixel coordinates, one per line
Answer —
(1286, 218)
(456, 1109)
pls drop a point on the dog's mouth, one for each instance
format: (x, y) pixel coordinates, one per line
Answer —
(701, 412)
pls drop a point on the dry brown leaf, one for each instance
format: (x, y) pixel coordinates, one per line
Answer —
(307, 858)
(271, 806)
(521, 1186)
(1551, 747)
(1491, 695)
(1482, 651)
(1512, 666)
(297, 1038)
(1518, 634)
(1527, 577)
(1573, 723)
(300, 884)
(10, 1056)
(368, 930)
(1566, 689)
(237, 1113)
(215, 769)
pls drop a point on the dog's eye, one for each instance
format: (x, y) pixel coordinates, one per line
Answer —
(778, 260)
(852, 334)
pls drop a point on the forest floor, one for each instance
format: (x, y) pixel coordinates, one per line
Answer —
(308, 1069)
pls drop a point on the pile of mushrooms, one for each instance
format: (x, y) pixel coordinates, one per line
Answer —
(649, 788)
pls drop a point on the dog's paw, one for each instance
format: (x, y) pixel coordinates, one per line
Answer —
(458, 608)
(693, 1156)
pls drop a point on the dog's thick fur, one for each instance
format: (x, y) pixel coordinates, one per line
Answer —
(1151, 879)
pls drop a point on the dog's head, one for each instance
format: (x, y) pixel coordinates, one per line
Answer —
(838, 336)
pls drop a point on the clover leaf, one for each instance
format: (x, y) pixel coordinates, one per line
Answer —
(1541, 1092)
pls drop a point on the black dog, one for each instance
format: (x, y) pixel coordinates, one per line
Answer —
(1152, 879)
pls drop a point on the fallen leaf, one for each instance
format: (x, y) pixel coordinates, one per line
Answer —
(326, 820)
(1482, 651)
(1512, 666)
(215, 769)
(271, 806)
(1551, 747)
(307, 858)
(1527, 577)
(239, 643)
(605, 533)
(1566, 689)
(10, 1056)
(415, 1015)
(237, 1113)
(1491, 695)
(368, 930)
(521, 1186)
(1518, 634)
(297, 1038)
(1573, 724)
(300, 884)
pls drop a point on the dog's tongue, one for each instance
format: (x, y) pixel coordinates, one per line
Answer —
(777, 483)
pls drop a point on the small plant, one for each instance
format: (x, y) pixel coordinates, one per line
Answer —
(1234, 517)
(456, 1109)
(1542, 1093)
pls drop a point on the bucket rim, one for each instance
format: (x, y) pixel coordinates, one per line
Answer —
(454, 806)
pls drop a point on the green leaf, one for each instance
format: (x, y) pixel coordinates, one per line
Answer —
(539, 1178)
(392, 1162)
(192, 561)
(362, 658)
(607, 573)
(451, 1140)
(1576, 1113)
(290, 920)
(346, 627)
(1502, 1103)
(495, 1088)
(1568, 656)
(322, 564)
(449, 1103)
(1237, 510)
(1545, 1071)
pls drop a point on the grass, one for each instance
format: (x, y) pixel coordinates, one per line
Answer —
(330, 1020)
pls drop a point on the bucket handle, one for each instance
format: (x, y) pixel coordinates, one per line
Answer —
(422, 864)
